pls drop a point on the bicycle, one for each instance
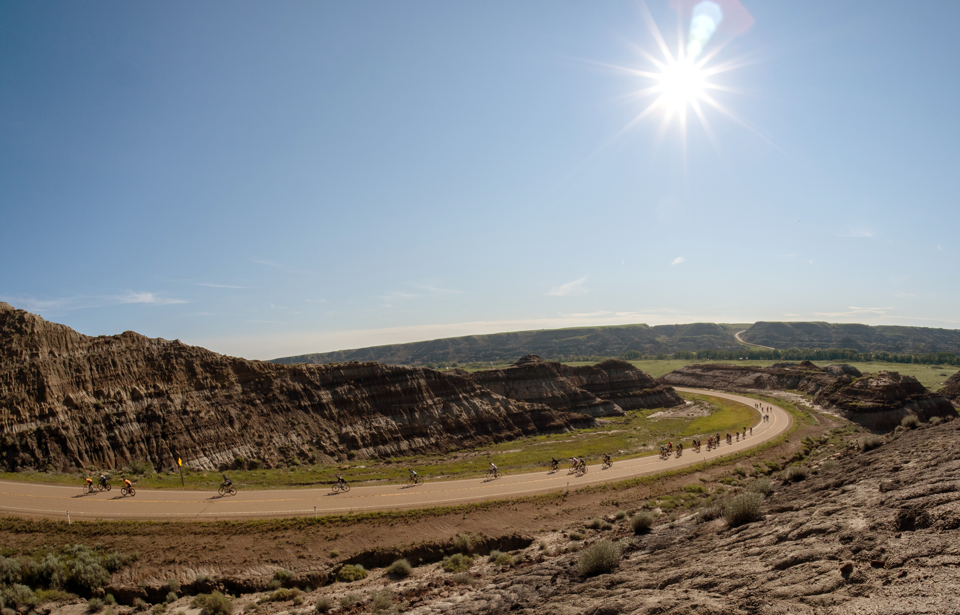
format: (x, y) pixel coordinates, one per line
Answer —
(581, 469)
(679, 452)
(555, 466)
(227, 490)
(340, 486)
(103, 487)
(491, 474)
(414, 480)
(125, 491)
(88, 488)
(606, 464)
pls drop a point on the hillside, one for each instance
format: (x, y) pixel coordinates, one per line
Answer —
(68, 400)
(640, 339)
(863, 338)
(548, 343)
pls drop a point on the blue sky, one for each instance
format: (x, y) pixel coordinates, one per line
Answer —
(267, 179)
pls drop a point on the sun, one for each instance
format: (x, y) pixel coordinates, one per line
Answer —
(681, 83)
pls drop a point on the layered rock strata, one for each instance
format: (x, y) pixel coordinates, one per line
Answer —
(951, 388)
(606, 389)
(68, 400)
(877, 401)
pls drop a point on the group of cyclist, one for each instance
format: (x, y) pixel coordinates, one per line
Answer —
(104, 485)
(764, 413)
(578, 464)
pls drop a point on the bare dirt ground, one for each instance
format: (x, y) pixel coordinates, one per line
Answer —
(241, 557)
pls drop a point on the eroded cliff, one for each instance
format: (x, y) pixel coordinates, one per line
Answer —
(951, 388)
(69, 400)
(877, 401)
(605, 389)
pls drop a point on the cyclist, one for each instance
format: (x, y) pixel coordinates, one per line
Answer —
(583, 464)
(554, 463)
(103, 480)
(493, 468)
(226, 482)
(127, 483)
(413, 474)
(89, 484)
(679, 447)
(576, 462)
(670, 447)
(340, 480)
(606, 459)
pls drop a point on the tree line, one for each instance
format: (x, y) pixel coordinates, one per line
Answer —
(805, 354)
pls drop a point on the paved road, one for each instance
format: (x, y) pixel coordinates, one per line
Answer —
(743, 341)
(30, 499)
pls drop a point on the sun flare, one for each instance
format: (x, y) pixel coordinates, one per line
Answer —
(681, 84)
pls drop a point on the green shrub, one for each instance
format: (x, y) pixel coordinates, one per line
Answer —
(911, 421)
(739, 471)
(9, 571)
(742, 509)
(694, 488)
(171, 597)
(283, 577)
(503, 559)
(349, 599)
(334, 553)
(464, 543)
(936, 420)
(870, 442)
(573, 547)
(158, 609)
(773, 465)
(400, 568)
(213, 603)
(324, 604)
(18, 595)
(201, 578)
(600, 558)
(457, 563)
(109, 611)
(621, 514)
(282, 595)
(828, 465)
(141, 467)
(709, 513)
(574, 536)
(642, 522)
(462, 578)
(595, 524)
(380, 601)
(763, 486)
(110, 600)
(139, 604)
(351, 573)
(94, 605)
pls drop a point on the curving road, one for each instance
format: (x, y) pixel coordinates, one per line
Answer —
(30, 499)
(746, 343)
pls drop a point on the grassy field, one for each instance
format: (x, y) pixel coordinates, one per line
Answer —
(633, 435)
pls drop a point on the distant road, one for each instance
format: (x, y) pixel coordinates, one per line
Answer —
(745, 343)
(41, 500)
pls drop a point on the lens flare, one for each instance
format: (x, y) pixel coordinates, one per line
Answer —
(706, 17)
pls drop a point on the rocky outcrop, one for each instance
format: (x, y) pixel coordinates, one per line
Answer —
(804, 376)
(880, 401)
(606, 389)
(68, 400)
(951, 388)
(877, 534)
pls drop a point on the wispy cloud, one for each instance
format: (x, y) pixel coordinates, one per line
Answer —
(267, 263)
(679, 260)
(856, 311)
(569, 289)
(208, 285)
(81, 302)
(939, 247)
(585, 314)
(906, 295)
(395, 295)
(855, 232)
(782, 256)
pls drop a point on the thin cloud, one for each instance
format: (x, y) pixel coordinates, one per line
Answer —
(569, 289)
(939, 247)
(208, 285)
(679, 260)
(585, 315)
(267, 263)
(394, 295)
(786, 256)
(856, 311)
(82, 302)
(905, 295)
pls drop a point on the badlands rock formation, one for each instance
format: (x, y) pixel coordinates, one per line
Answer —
(877, 401)
(877, 534)
(70, 400)
(606, 389)
(951, 388)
